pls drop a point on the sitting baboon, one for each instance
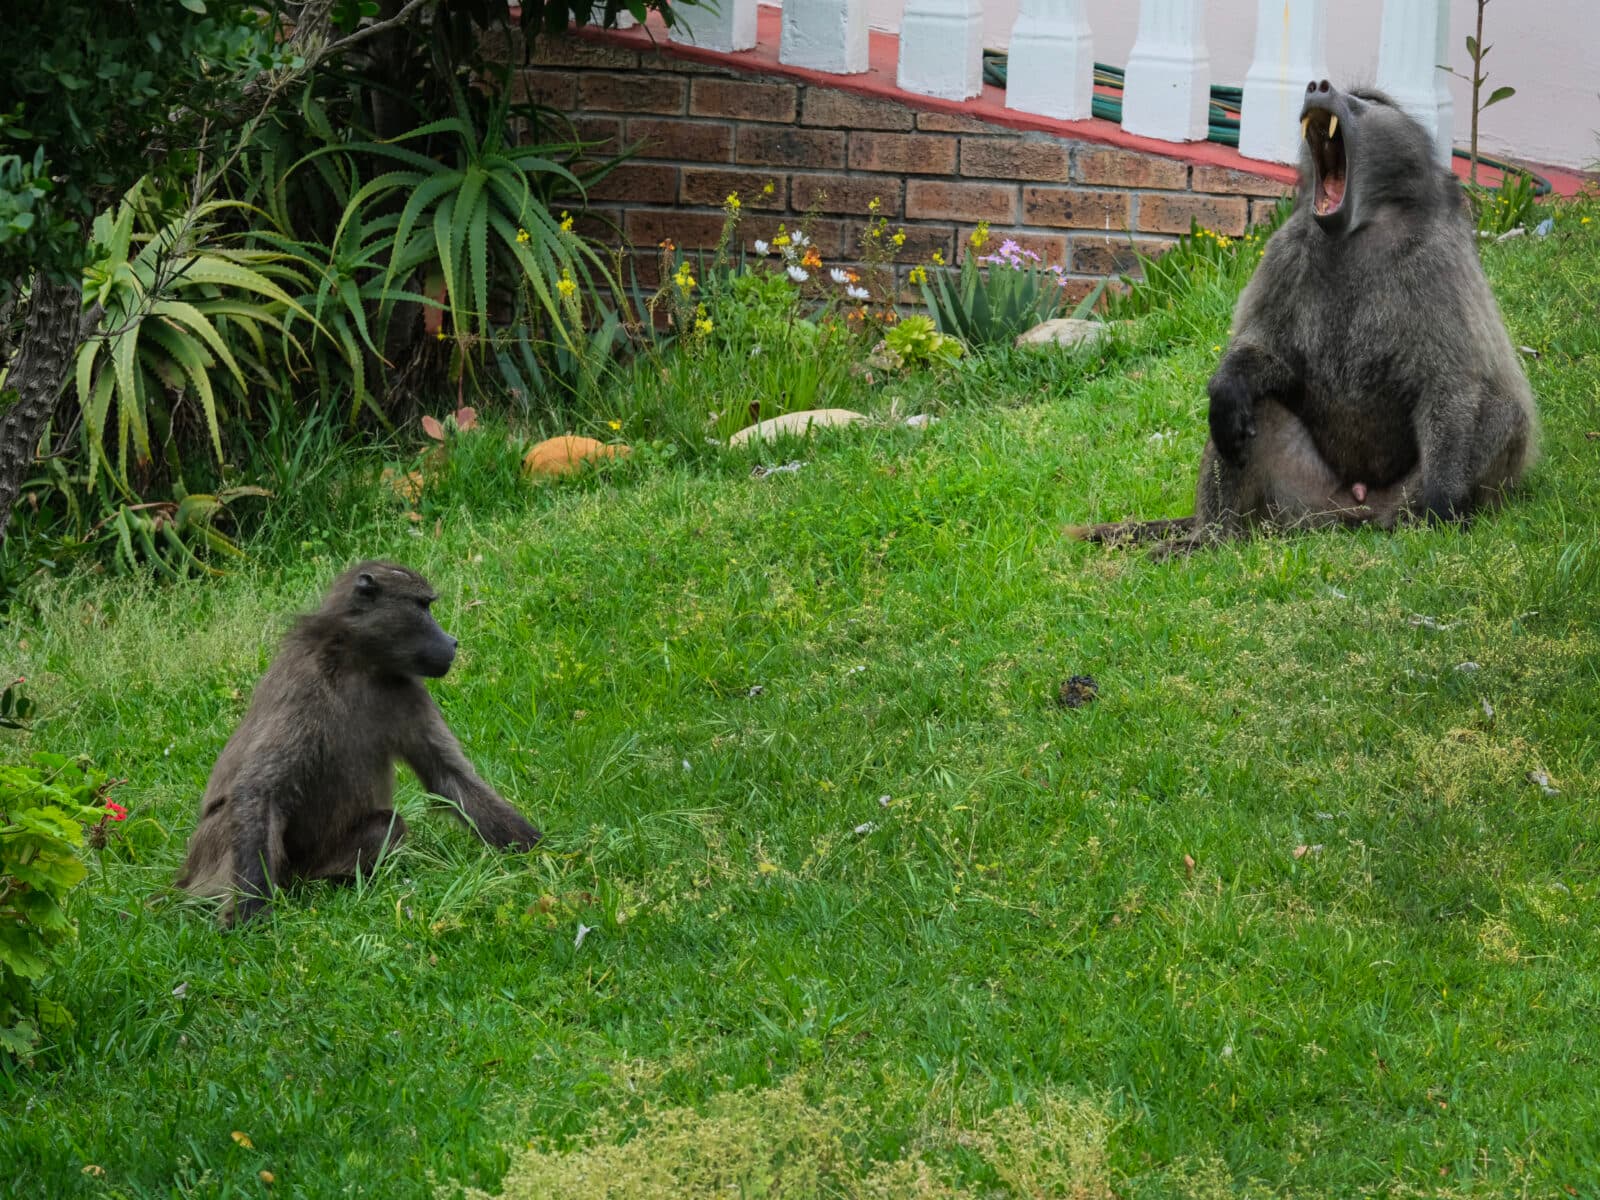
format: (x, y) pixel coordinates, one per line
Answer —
(1369, 377)
(304, 787)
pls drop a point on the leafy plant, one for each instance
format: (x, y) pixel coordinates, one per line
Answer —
(177, 300)
(46, 804)
(1477, 52)
(992, 297)
(1200, 260)
(915, 342)
(479, 214)
(1502, 209)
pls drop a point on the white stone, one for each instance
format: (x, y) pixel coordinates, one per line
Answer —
(1166, 92)
(1413, 42)
(728, 26)
(796, 423)
(825, 35)
(1050, 68)
(1291, 52)
(941, 48)
(1065, 331)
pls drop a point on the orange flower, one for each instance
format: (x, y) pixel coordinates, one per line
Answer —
(811, 258)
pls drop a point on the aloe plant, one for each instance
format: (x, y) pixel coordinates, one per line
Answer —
(480, 207)
(177, 300)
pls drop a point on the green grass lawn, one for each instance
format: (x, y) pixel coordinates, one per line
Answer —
(1280, 912)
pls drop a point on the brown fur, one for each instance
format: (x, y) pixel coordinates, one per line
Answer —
(304, 787)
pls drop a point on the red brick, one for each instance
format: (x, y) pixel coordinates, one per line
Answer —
(1172, 214)
(1123, 168)
(637, 183)
(936, 122)
(743, 101)
(556, 89)
(1074, 290)
(937, 200)
(696, 141)
(655, 60)
(646, 227)
(1050, 247)
(707, 185)
(1261, 211)
(790, 147)
(1113, 256)
(1230, 182)
(634, 93)
(824, 106)
(605, 133)
(1014, 158)
(921, 241)
(560, 50)
(846, 193)
(601, 224)
(912, 153)
(1074, 208)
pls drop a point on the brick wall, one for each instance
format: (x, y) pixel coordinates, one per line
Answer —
(709, 130)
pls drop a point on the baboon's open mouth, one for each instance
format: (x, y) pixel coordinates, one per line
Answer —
(1321, 130)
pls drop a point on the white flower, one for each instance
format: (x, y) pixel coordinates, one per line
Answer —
(838, 276)
(798, 274)
(857, 293)
(799, 238)
(761, 247)
(583, 932)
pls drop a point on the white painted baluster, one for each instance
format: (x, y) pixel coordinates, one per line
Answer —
(1412, 43)
(624, 19)
(728, 26)
(1051, 64)
(1167, 91)
(941, 48)
(1290, 53)
(825, 35)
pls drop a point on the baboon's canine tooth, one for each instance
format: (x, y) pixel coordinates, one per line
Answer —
(1333, 127)
(1305, 127)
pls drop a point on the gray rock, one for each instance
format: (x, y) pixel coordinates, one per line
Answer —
(799, 423)
(1065, 331)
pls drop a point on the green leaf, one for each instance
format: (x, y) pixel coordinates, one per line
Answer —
(1499, 94)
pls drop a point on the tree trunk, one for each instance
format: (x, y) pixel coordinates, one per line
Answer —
(44, 357)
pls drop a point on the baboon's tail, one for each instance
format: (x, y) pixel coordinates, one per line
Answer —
(1127, 533)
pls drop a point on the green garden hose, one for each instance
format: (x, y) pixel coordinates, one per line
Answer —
(1223, 121)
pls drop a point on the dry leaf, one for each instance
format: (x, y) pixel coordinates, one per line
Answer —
(466, 418)
(243, 1139)
(1188, 865)
(431, 427)
(268, 1178)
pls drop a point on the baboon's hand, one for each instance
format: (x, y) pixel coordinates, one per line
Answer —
(1232, 417)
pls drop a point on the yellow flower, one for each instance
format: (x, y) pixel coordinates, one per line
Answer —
(614, 425)
(938, 258)
(523, 236)
(781, 240)
(919, 275)
(732, 201)
(703, 326)
(768, 188)
(1584, 221)
(874, 204)
(980, 236)
(440, 335)
(566, 222)
(899, 238)
(566, 286)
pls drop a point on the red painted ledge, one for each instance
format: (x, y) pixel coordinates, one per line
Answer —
(878, 82)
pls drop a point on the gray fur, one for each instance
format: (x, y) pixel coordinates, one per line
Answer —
(304, 788)
(1369, 377)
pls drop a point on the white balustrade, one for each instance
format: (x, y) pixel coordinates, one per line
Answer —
(824, 35)
(1413, 42)
(1167, 89)
(941, 48)
(728, 26)
(624, 18)
(1050, 69)
(1290, 53)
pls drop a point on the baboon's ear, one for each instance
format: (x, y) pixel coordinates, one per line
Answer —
(366, 586)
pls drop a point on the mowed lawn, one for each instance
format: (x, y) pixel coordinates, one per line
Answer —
(1283, 911)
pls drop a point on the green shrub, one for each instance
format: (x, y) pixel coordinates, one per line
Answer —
(992, 298)
(47, 806)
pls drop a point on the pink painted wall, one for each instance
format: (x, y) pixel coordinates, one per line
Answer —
(1543, 48)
